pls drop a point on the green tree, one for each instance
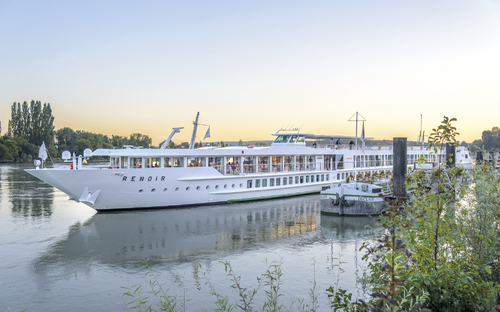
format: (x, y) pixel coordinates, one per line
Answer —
(33, 123)
(8, 149)
(240, 143)
(82, 144)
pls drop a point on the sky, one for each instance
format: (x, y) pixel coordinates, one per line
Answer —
(252, 67)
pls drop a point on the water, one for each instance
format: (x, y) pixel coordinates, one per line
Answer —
(59, 255)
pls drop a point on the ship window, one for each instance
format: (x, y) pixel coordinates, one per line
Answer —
(302, 179)
(288, 163)
(233, 185)
(196, 161)
(197, 188)
(322, 177)
(153, 190)
(307, 180)
(124, 161)
(328, 177)
(300, 139)
(290, 180)
(338, 176)
(299, 162)
(257, 183)
(285, 180)
(165, 189)
(278, 180)
(466, 156)
(233, 165)
(167, 162)
(282, 139)
(311, 162)
(152, 162)
(293, 139)
(215, 162)
(249, 184)
(264, 182)
(317, 178)
(114, 162)
(188, 188)
(249, 164)
(136, 161)
(177, 162)
(225, 185)
(271, 182)
(176, 189)
(263, 166)
(217, 187)
(141, 190)
(312, 178)
(276, 164)
(208, 187)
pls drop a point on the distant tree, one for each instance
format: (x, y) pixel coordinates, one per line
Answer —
(82, 144)
(8, 149)
(33, 123)
(477, 145)
(240, 143)
(138, 139)
(66, 136)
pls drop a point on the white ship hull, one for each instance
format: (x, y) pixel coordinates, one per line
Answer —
(158, 188)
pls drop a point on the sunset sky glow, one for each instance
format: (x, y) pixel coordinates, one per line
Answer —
(252, 67)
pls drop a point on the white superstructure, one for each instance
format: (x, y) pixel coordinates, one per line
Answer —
(155, 178)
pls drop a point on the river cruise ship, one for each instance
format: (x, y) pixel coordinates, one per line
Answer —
(295, 163)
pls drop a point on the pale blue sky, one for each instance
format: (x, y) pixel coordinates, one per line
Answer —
(250, 67)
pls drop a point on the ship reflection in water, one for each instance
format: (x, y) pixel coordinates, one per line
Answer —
(347, 228)
(186, 235)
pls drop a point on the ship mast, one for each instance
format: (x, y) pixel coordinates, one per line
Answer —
(193, 137)
(356, 154)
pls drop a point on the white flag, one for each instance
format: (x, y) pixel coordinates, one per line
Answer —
(363, 136)
(42, 152)
(207, 135)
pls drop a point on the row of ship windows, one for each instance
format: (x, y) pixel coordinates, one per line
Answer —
(263, 182)
(288, 180)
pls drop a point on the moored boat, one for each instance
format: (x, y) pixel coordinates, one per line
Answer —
(296, 163)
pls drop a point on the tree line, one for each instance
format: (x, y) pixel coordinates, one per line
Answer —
(490, 141)
(31, 124)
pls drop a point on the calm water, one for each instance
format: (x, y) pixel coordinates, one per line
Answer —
(59, 255)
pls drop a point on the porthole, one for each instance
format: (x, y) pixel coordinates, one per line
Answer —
(225, 185)
(241, 184)
(208, 187)
(188, 188)
(233, 185)
(217, 187)
(153, 190)
(176, 189)
(197, 188)
(141, 190)
(165, 189)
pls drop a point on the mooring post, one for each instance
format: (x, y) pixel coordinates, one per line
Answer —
(399, 166)
(450, 155)
(479, 158)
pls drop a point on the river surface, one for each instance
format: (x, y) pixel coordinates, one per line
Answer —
(59, 255)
